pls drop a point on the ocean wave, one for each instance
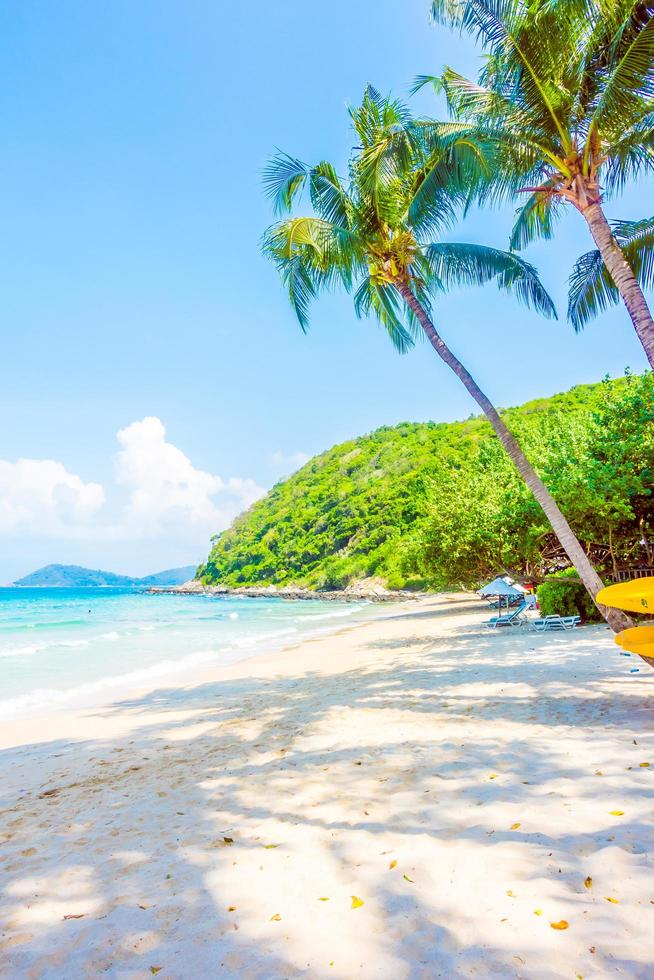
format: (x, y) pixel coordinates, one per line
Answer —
(17, 624)
(20, 651)
(88, 693)
(182, 645)
(332, 614)
(256, 640)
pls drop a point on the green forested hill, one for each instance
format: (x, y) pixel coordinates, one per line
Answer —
(437, 505)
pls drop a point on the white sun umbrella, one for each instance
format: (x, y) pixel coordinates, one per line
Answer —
(502, 588)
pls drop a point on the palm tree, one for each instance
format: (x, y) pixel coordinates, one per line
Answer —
(591, 289)
(373, 235)
(565, 99)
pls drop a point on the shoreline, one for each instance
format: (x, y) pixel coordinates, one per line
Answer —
(293, 593)
(177, 674)
(460, 784)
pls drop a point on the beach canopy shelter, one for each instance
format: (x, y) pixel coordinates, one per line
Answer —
(501, 589)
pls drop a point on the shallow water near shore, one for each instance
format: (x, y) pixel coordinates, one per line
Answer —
(62, 648)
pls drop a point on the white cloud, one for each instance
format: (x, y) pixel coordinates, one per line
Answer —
(167, 497)
(40, 497)
(165, 488)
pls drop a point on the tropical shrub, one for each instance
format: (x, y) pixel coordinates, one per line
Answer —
(563, 594)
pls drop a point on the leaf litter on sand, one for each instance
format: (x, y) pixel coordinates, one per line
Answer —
(276, 917)
(588, 882)
(561, 924)
(393, 864)
(357, 902)
(514, 826)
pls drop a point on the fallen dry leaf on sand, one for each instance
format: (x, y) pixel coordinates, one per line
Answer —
(79, 915)
(561, 924)
(356, 902)
(276, 917)
(616, 813)
(231, 908)
(323, 898)
(538, 911)
(588, 882)
(613, 900)
(392, 865)
(156, 969)
(406, 878)
(514, 826)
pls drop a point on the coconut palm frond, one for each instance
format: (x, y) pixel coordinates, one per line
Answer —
(284, 178)
(407, 181)
(535, 219)
(384, 303)
(629, 89)
(463, 264)
(590, 290)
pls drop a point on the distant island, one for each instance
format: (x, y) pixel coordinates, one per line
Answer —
(74, 576)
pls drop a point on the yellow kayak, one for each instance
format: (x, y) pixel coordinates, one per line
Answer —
(635, 596)
(637, 639)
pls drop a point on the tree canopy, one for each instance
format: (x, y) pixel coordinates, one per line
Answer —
(440, 505)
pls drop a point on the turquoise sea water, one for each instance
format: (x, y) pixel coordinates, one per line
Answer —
(62, 648)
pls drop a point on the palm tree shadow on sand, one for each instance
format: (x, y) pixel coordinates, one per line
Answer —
(240, 800)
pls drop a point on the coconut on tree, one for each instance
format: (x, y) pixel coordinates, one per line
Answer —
(565, 99)
(376, 234)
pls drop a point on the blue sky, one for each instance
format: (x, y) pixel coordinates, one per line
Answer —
(133, 288)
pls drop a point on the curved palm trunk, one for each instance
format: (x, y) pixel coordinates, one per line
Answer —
(623, 277)
(616, 620)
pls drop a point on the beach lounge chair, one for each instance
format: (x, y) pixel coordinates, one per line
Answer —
(514, 618)
(555, 623)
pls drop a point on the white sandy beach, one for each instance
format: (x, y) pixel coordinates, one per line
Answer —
(463, 790)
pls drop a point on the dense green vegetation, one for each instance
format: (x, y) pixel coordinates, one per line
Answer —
(562, 594)
(441, 505)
